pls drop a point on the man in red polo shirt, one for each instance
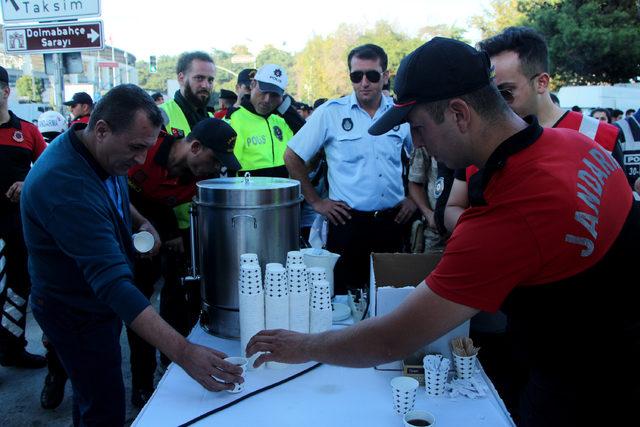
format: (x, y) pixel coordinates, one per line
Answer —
(20, 145)
(167, 179)
(547, 240)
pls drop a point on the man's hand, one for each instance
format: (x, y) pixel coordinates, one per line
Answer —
(430, 220)
(279, 345)
(407, 209)
(337, 212)
(207, 366)
(175, 246)
(14, 191)
(157, 242)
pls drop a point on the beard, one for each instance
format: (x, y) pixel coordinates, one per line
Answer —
(196, 99)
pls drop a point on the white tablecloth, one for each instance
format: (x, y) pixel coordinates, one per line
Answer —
(326, 396)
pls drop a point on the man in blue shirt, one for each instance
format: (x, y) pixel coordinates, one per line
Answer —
(367, 207)
(78, 223)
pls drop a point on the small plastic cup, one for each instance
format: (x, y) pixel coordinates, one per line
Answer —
(465, 366)
(404, 394)
(418, 418)
(242, 362)
(143, 241)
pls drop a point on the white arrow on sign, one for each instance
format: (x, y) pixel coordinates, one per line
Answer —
(93, 35)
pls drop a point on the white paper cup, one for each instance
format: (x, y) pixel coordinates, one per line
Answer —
(294, 257)
(404, 394)
(418, 418)
(242, 362)
(435, 382)
(143, 241)
(249, 258)
(465, 366)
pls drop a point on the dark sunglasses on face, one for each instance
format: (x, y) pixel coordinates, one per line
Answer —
(372, 75)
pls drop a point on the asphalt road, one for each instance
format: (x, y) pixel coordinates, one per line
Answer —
(20, 388)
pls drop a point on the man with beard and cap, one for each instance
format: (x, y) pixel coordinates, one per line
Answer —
(265, 121)
(167, 178)
(548, 238)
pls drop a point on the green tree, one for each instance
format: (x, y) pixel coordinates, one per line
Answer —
(396, 44)
(591, 41)
(272, 55)
(443, 30)
(157, 81)
(320, 69)
(500, 15)
(30, 88)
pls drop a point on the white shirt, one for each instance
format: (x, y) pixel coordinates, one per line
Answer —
(364, 171)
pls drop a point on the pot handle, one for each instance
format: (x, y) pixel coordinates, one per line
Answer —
(193, 218)
(233, 220)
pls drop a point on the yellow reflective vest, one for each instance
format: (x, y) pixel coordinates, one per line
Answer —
(261, 141)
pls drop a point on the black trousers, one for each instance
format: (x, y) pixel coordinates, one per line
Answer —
(364, 233)
(89, 348)
(14, 283)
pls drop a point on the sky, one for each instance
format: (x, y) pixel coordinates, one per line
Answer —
(162, 27)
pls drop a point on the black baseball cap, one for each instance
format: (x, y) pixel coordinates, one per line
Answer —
(228, 94)
(245, 76)
(440, 69)
(79, 98)
(4, 76)
(219, 136)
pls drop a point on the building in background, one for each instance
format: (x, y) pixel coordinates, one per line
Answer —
(102, 70)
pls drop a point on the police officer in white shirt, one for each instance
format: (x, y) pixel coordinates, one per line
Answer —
(367, 206)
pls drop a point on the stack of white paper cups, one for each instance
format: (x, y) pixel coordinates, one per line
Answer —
(298, 298)
(315, 274)
(294, 257)
(436, 371)
(320, 318)
(276, 291)
(251, 303)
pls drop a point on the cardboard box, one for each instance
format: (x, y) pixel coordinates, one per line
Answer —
(393, 278)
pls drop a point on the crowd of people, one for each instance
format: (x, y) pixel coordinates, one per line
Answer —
(530, 205)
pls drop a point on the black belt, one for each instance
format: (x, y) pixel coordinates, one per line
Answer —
(379, 214)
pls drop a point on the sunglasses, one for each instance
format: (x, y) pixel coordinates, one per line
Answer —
(372, 75)
(507, 94)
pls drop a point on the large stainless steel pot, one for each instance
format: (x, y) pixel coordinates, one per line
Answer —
(232, 216)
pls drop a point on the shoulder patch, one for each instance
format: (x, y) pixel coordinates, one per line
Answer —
(278, 132)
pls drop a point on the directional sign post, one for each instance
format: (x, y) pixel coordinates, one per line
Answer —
(54, 38)
(48, 10)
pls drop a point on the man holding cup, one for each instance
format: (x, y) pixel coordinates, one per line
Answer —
(167, 179)
(552, 220)
(77, 223)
